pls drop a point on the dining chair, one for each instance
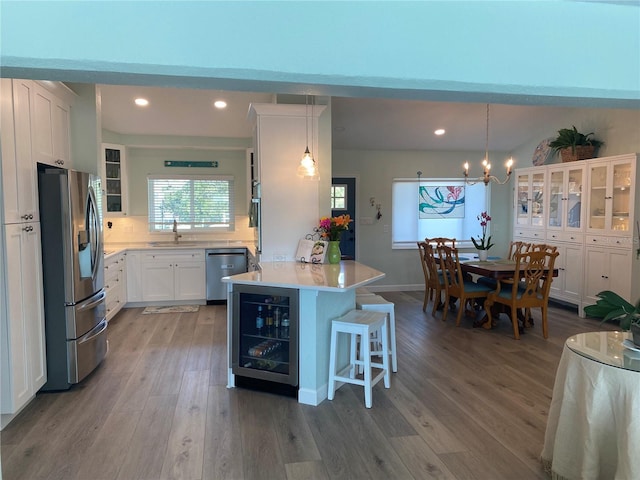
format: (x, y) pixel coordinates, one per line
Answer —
(456, 286)
(433, 279)
(529, 288)
(516, 246)
(439, 241)
(543, 247)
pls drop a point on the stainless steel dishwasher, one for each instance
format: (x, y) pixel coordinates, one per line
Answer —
(222, 262)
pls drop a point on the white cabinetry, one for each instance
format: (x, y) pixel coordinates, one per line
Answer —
(173, 275)
(51, 120)
(589, 210)
(529, 204)
(114, 179)
(279, 136)
(567, 285)
(134, 275)
(609, 269)
(115, 283)
(19, 184)
(23, 357)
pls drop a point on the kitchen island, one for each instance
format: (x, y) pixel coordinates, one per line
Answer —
(324, 292)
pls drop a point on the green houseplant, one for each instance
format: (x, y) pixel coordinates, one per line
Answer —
(573, 145)
(612, 307)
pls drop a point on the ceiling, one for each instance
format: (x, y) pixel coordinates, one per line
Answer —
(358, 123)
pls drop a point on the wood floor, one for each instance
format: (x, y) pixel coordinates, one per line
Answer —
(465, 404)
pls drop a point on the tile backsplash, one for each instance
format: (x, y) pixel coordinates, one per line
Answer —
(136, 229)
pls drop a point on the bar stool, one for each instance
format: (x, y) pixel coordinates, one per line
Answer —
(377, 303)
(359, 323)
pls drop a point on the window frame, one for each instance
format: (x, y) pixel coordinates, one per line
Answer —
(471, 225)
(190, 225)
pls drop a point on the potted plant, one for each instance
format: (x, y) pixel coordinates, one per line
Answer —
(483, 244)
(574, 145)
(612, 307)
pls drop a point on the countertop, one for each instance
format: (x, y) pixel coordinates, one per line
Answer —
(115, 248)
(309, 276)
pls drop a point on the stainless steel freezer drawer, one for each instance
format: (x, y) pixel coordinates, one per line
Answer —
(222, 262)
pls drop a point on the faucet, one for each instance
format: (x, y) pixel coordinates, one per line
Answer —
(175, 231)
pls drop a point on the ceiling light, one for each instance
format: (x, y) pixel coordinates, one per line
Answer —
(486, 177)
(220, 104)
(439, 131)
(142, 102)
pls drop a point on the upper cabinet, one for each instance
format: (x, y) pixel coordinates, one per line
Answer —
(565, 200)
(19, 191)
(114, 179)
(51, 120)
(611, 195)
(530, 206)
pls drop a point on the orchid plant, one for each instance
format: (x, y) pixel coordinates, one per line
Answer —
(483, 243)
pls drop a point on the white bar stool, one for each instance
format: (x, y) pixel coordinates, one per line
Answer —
(359, 323)
(377, 303)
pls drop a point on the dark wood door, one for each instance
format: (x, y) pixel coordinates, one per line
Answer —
(344, 198)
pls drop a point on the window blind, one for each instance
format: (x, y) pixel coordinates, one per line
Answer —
(196, 202)
(407, 227)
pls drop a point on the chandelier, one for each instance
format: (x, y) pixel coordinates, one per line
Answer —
(486, 176)
(308, 168)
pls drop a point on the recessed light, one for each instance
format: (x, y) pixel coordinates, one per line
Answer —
(142, 102)
(220, 104)
(439, 131)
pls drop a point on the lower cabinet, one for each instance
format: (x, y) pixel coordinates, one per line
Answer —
(568, 285)
(115, 283)
(608, 269)
(173, 275)
(23, 353)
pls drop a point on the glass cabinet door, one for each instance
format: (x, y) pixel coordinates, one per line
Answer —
(522, 199)
(556, 199)
(621, 197)
(573, 196)
(597, 197)
(537, 199)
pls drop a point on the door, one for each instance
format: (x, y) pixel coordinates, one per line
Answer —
(343, 201)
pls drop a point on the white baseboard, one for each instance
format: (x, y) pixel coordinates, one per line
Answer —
(396, 288)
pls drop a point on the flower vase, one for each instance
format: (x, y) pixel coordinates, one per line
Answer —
(482, 255)
(333, 254)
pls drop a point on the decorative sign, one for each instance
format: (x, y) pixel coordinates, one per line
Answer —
(441, 202)
(183, 163)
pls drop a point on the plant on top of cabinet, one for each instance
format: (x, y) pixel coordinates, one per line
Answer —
(574, 145)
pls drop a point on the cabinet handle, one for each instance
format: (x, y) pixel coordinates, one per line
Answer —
(27, 216)
(28, 229)
(608, 198)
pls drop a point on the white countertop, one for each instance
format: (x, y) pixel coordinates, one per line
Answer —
(309, 276)
(114, 248)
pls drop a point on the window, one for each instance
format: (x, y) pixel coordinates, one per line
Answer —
(196, 202)
(338, 197)
(408, 227)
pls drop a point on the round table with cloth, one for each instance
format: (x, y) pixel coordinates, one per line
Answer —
(593, 428)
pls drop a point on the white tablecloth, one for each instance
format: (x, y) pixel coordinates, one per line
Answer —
(593, 429)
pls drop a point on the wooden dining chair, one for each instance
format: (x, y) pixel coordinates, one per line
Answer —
(434, 281)
(439, 241)
(529, 288)
(456, 286)
(514, 247)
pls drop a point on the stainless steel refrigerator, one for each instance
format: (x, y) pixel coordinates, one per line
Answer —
(73, 275)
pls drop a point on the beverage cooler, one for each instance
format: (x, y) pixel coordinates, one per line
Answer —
(265, 336)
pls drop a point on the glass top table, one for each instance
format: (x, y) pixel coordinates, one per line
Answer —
(607, 348)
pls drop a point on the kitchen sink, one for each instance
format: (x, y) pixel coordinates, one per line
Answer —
(172, 244)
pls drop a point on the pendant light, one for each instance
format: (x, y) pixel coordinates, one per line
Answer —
(308, 168)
